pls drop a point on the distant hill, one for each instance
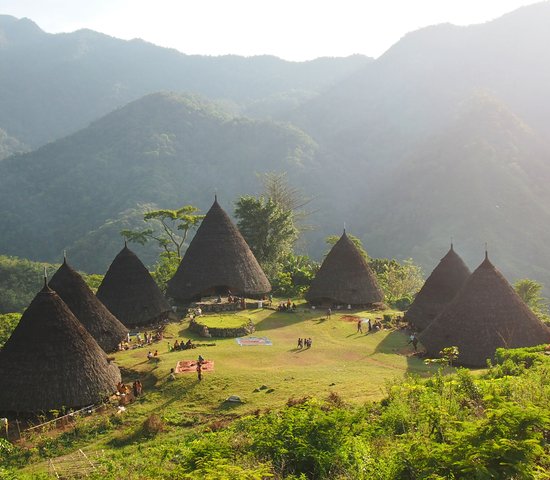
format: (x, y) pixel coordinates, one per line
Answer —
(374, 128)
(444, 135)
(483, 179)
(21, 279)
(55, 84)
(376, 114)
(163, 149)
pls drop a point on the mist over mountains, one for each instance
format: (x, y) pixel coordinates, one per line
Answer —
(443, 136)
(52, 85)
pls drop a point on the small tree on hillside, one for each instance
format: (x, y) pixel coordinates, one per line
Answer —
(277, 188)
(169, 230)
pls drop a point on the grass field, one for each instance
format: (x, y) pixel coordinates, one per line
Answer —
(357, 367)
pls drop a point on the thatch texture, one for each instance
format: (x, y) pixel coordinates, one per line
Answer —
(130, 293)
(485, 315)
(440, 288)
(345, 278)
(51, 361)
(106, 329)
(217, 260)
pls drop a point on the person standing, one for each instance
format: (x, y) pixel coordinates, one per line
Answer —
(329, 312)
(360, 326)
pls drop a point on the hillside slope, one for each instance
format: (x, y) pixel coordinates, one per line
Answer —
(163, 149)
(54, 84)
(483, 179)
(378, 113)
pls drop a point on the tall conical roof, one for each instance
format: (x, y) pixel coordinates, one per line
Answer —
(440, 288)
(106, 329)
(345, 277)
(130, 293)
(51, 361)
(218, 257)
(485, 315)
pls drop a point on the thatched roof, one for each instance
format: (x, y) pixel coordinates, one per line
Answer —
(130, 293)
(345, 277)
(485, 315)
(106, 329)
(51, 361)
(218, 259)
(440, 288)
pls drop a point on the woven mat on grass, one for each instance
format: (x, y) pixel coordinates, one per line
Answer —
(253, 341)
(190, 366)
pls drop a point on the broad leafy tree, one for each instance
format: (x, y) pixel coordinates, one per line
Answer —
(268, 229)
(169, 230)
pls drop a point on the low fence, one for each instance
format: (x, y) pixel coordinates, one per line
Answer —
(17, 429)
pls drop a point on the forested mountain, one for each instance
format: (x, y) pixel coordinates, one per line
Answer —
(52, 85)
(377, 134)
(444, 135)
(164, 149)
(484, 178)
(418, 83)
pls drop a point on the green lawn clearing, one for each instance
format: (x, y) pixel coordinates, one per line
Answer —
(358, 367)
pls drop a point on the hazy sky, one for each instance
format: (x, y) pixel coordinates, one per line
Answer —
(290, 29)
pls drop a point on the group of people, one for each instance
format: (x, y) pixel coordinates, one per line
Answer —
(371, 327)
(181, 345)
(287, 306)
(304, 343)
(147, 339)
(151, 355)
(125, 392)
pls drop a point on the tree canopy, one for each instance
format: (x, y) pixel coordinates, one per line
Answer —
(268, 229)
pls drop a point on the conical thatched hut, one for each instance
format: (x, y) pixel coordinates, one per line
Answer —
(218, 260)
(130, 293)
(51, 361)
(440, 288)
(344, 278)
(485, 315)
(106, 329)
